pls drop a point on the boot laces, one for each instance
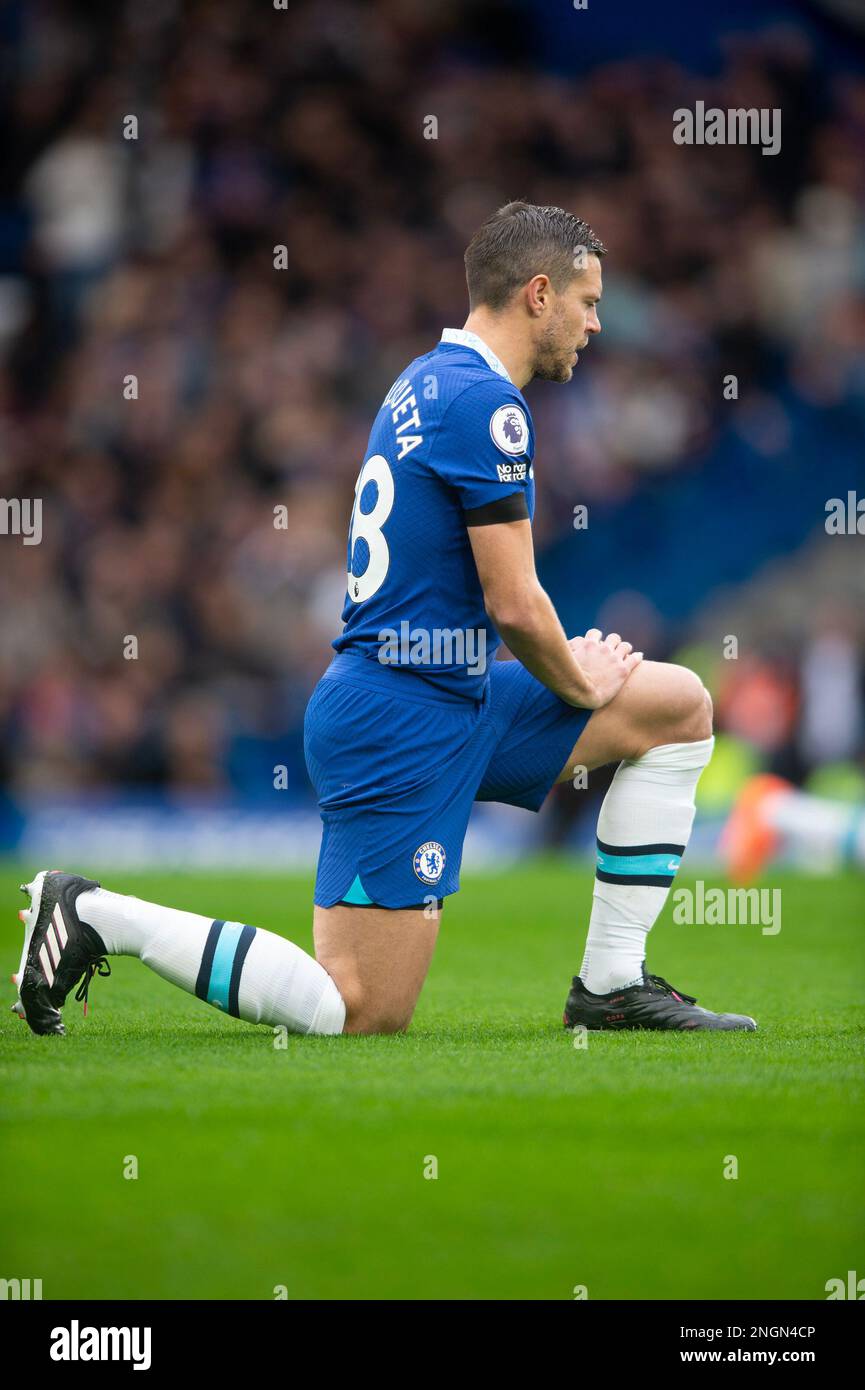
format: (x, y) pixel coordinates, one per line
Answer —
(98, 966)
(668, 989)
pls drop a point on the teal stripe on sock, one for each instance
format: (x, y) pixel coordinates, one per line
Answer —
(640, 864)
(223, 959)
(357, 894)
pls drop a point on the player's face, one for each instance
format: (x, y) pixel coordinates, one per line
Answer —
(573, 318)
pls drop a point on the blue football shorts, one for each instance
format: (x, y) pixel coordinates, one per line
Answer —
(396, 766)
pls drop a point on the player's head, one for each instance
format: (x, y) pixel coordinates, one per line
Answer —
(540, 266)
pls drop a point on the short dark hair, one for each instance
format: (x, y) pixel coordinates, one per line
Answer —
(522, 240)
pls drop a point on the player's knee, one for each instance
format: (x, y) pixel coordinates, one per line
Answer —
(365, 1014)
(702, 713)
(367, 1020)
(708, 711)
(675, 707)
(693, 707)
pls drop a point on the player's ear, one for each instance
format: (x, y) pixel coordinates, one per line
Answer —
(539, 293)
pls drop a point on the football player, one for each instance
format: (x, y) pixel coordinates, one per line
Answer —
(414, 720)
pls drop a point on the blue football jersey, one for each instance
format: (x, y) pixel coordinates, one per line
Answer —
(453, 434)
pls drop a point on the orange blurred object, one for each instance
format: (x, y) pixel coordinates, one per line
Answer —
(748, 841)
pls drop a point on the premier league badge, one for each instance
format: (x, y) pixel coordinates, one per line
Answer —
(509, 430)
(429, 862)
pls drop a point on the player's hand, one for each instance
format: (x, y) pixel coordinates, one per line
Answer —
(606, 662)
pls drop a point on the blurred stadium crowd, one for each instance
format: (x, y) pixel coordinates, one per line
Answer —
(306, 128)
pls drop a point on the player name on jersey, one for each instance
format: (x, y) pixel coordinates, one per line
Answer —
(401, 398)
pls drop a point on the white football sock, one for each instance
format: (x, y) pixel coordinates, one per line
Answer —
(820, 834)
(643, 829)
(252, 974)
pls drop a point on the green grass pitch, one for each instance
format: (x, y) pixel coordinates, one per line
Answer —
(558, 1167)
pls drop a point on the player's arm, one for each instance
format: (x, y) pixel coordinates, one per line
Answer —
(525, 617)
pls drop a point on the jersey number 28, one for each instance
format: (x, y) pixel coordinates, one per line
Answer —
(367, 526)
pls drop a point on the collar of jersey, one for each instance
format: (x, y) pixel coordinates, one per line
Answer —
(471, 340)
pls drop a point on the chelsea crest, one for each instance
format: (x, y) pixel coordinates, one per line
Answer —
(429, 862)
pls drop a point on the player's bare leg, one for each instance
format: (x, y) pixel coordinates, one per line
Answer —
(378, 959)
(660, 726)
(659, 703)
(370, 967)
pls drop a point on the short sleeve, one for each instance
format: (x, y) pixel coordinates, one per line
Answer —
(484, 446)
